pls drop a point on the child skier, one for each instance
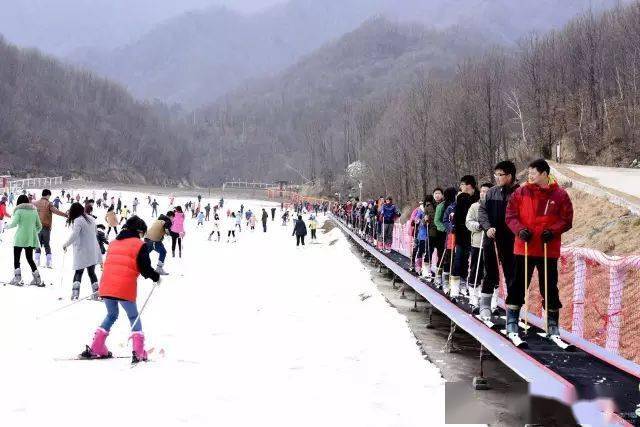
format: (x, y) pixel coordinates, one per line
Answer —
(200, 218)
(127, 258)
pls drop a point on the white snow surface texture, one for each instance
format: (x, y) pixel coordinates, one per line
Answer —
(253, 333)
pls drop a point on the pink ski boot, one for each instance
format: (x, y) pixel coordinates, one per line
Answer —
(98, 349)
(139, 353)
(419, 266)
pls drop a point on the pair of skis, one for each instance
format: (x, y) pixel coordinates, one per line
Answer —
(522, 343)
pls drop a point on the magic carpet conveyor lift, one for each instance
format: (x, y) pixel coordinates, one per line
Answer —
(574, 378)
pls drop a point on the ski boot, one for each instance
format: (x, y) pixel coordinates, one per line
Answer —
(418, 268)
(485, 308)
(98, 349)
(36, 258)
(75, 291)
(494, 300)
(445, 283)
(37, 280)
(160, 268)
(552, 322)
(17, 278)
(49, 261)
(95, 286)
(139, 354)
(454, 288)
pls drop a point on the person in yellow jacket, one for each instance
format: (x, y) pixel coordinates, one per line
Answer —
(313, 226)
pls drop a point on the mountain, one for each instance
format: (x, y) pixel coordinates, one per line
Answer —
(56, 120)
(196, 57)
(60, 27)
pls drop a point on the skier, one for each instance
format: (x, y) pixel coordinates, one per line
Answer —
(56, 202)
(3, 214)
(102, 238)
(265, 218)
(155, 236)
(25, 217)
(231, 227)
(127, 258)
(216, 226)
(200, 218)
(154, 208)
(119, 207)
(476, 267)
(273, 214)
(538, 213)
(112, 221)
(86, 250)
(46, 209)
(468, 195)
(124, 214)
(104, 195)
(415, 221)
(207, 210)
(313, 225)
(498, 236)
(299, 230)
(448, 198)
(238, 219)
(177, 231)
(389, 214)
(135, 205)
(199, 198)
(252, 222)
(221, 202)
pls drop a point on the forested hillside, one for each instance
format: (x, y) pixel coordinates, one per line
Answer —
(54, 120)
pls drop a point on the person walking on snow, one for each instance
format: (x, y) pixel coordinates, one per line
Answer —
(112, 221)
(207, 210)
(86, 250)
(135, 205)
(3, 214)
(177, 231)
(201, 219)
(155, 236)
(299, 230)
(538, 213)
(25, 217)
(154, 208)
(216, 226)
(124, 214)
(231, 227)
(46, 209)
(127, 258)
(313, 225)
(265, 218)
(273, 214)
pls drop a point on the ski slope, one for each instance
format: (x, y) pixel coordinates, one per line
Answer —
(257, 332)
(625, 180)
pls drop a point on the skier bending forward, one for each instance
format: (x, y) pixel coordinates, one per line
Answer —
(127, 258)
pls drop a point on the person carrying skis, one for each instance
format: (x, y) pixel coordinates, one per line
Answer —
(160, 228)
(26, 218)
(127, 258)
(498, 236)
(86, 250)
(538, 213)
(299, 230)
(46, 209)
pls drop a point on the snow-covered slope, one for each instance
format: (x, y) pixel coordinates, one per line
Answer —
(257, 332)
(625, 180)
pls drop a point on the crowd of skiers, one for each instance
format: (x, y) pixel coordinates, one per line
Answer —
(476, 232)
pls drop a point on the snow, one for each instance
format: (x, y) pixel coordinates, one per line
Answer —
(625, 180)
(254, 332)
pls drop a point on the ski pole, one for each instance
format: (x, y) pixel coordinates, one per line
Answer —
(428, 254)
(475, 281)
(66, 306)
(526, 285)
(155, 285)
(546, 300)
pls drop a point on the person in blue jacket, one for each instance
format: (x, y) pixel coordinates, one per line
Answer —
(389, 213)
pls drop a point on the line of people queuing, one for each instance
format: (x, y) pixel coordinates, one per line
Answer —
(478, 231)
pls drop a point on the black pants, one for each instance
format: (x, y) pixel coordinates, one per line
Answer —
(515, 293)
(44, 236)
(115, 229)
(28, 253)
(474, 269)
(231, 233)
(507, 261)
(175, 238)
(91, 271)
(440, 243)
(313, 234)
(264, 225)
(299, 239)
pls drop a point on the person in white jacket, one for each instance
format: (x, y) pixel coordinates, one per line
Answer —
(216, 227)
(477, 241)
(231, 227)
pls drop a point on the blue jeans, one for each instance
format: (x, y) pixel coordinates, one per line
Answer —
(112, 314)
(461, 262)
(158, 247)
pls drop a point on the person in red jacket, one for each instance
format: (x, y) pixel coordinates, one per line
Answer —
(3, 214)
(127, 258)
(537, 213)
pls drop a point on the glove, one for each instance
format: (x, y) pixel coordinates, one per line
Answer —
(524, 235)
(64, 248)
(547, 236)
